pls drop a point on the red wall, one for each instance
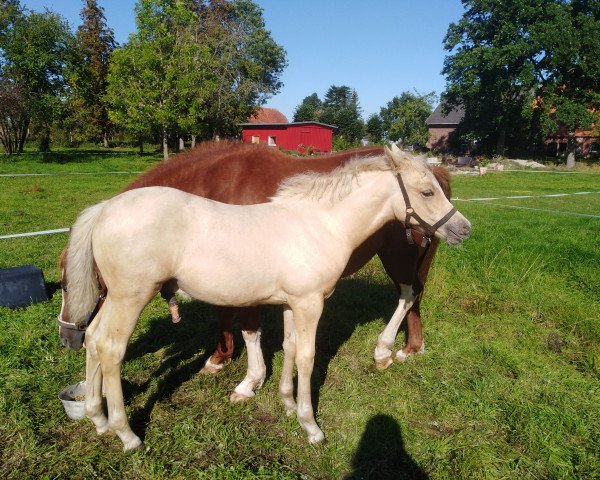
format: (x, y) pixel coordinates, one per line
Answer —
(292, 136)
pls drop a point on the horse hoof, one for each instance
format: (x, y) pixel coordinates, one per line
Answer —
(236, 397)
(102, 429)
(401, 356)
(316, 437)
(211, 368)
(290, 412)
(132, 445)
(383, 364)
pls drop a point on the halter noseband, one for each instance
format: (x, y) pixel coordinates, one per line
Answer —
(82, 327)
(410, 213)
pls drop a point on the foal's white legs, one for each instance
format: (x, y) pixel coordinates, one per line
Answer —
(306, 314)
(385, 341)
(106, 349)
(93, 383)
(286, 384)
(257, 371)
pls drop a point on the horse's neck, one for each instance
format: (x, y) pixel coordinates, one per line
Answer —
(366, 209)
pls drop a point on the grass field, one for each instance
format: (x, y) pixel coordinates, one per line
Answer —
(508, 388)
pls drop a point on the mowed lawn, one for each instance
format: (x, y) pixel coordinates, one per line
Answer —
(508, 387)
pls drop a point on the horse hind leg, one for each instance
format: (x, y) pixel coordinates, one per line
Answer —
(168, 293)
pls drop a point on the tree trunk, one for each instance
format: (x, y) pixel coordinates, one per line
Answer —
(105, 140)
(500, 142)
(181, 144)
(165, 143)
(570, 152)
(141, 145)
(45, 140)
(23, 135)
(193, 141)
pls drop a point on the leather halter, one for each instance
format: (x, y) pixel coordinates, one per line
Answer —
(82, 327)
(410, 213)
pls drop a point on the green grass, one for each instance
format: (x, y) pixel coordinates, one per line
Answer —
(508, 387)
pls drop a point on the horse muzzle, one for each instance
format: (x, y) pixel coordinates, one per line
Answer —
(456, 231)
(70, 337)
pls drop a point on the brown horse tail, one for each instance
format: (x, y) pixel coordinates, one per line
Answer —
(80, 273)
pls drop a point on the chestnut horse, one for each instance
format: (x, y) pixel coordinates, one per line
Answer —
(241, 173)
(290, 251)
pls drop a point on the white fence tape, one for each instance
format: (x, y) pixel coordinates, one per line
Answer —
(33, 234)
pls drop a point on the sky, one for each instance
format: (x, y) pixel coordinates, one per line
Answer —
(380, 48)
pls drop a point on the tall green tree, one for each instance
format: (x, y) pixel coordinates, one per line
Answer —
(95, 43)
(403, 119)
(34, 49)
(310, 109)
(374, 129)
(342, 109)
(523, 67)
(193, 67)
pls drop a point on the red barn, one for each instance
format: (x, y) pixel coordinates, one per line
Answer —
(271, 127)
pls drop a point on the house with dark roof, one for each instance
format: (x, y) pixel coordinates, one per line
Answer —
(271, 127)
(442, 125)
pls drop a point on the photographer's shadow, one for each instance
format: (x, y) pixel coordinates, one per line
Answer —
(381, 454)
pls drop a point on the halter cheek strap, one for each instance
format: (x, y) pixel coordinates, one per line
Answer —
(410, 213)
(82, 327)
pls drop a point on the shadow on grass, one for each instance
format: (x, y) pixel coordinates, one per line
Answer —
(355, 302)
(381, 454)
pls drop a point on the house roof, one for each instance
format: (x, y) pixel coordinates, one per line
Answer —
(452, 118)
(268, 115)
(293, 124)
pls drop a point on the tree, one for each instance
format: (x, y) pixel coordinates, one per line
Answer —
(89, 71)
(34, 50)
(14, 118)
(310, 109)
(193, 67)
(374, 129)
(403, 119)
(341, 108)
(521, 68)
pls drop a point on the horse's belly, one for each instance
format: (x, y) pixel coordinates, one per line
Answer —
(235, 289)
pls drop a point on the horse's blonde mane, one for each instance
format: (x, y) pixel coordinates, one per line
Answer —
(338, 183)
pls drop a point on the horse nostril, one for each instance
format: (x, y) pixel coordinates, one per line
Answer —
(64, 342)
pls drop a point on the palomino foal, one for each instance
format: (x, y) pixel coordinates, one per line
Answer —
(290, 251)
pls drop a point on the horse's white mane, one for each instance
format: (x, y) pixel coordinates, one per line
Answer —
(338, 183)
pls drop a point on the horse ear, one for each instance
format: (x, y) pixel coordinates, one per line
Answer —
(397, 157)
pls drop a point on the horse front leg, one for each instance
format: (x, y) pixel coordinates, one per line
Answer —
(414, 343)
(93, 386)
(112, 336)
(286, 384)
(256, 372)
(306, 317)
(385, 341)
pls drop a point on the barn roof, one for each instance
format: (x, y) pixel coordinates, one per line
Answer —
(452, 118)
(293, 124)
(268, 115)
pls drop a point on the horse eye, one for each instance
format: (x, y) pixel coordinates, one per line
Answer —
(427, 193)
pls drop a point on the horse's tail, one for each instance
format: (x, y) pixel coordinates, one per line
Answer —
(82, 285)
